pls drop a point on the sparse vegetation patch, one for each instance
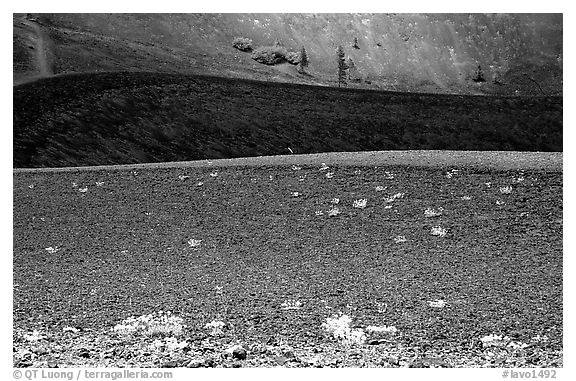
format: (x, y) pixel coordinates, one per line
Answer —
(270, 55)
(242, 44)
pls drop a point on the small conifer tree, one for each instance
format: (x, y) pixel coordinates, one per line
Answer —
(342, 66)
(304, 61)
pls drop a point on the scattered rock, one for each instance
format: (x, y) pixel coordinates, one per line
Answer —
(83, 352)
(183, 362)
(429, 362)
(207, 348)
(195, 364)
(239, 353)
(41, 351)
(198, 337)
(169, 364)
(417, 364)
(355, 355)
(392, 360)
(289, 354)
(52, 364)
(281, 360)
(209, 363)
(236, 365)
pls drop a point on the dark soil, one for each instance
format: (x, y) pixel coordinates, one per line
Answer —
(123, 250)
(124, 118)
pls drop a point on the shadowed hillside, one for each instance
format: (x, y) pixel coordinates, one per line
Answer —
(121, 118)
(518, 54)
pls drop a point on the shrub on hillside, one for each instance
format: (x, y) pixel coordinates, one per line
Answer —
(270, 55)
(293, 58)
(243, 44)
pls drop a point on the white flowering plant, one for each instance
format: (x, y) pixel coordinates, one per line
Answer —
(157, 324)
(291, 305)
(216, 327)
(194, 243)
(384, 329)
(430, 212)
(169, 344)
(438, 303)
(394, 197)
(501, 342)
(438, 231)
(334, 212)
(339, 328)
(400, 239)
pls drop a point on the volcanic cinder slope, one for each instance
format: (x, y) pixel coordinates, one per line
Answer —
(518, 53)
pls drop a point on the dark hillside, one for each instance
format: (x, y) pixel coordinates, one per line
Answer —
(121, 118)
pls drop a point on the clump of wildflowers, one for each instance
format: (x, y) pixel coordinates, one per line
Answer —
(383, 329)
(155, 324)
(400, 239)
(216, 327)
(339, 327)
(439, 231)
(394, 197)
(194, 243)
(501, 341)
(291, 305)
(169, 344)
(334, 212)
(438, 303)
(430, 212)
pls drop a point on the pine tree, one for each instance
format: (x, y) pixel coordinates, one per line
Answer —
(342, 66)
(304, 61)
(356, 43)
(479, 75)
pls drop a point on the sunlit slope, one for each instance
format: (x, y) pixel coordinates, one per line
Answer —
(518, 54)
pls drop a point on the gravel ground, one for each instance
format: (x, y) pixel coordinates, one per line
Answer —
(258, 245)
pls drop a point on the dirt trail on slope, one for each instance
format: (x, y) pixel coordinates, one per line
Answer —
(42, 59)
(42, 63)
